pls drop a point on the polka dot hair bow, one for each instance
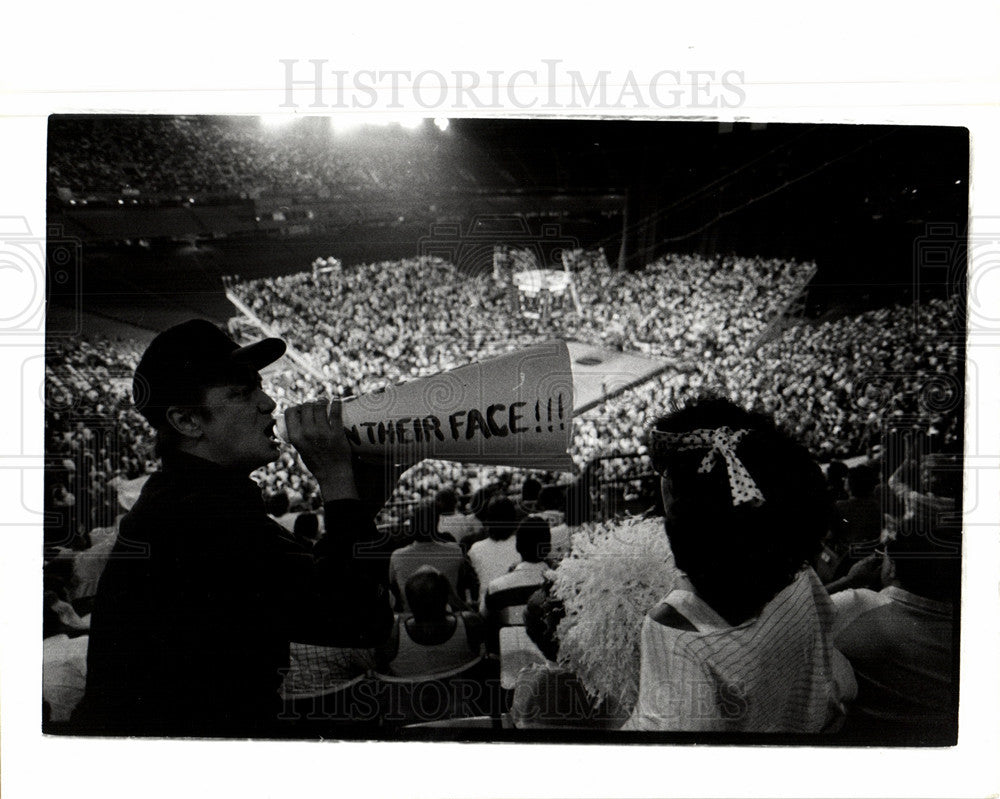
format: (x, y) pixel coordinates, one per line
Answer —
(720, 443)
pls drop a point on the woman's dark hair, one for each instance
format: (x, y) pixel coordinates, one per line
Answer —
(739, 558)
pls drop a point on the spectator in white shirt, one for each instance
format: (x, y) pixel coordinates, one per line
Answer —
(450, 522)
(533, 541)
(497, 553)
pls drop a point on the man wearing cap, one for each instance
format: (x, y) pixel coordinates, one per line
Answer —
(203, 592)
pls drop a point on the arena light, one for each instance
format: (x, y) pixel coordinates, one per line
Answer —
(442, 123)
(409, 122)
(343, 123)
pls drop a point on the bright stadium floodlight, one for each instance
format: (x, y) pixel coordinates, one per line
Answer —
(346, 123)
(442, 123)
(410, 122)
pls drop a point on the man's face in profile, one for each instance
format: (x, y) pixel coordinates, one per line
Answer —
(238, 426)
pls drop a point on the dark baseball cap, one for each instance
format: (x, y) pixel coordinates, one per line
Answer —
(184, 360)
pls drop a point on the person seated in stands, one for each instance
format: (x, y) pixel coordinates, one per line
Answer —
(64, 649)
(59, 615)
(860, 514)
(496, 554)
(931, 487)
(552, 508)
(474, 520)
(431, 638)
(64, 671)
(450, 521)
(836, 478)
(901, 640)
(428, 550)
(546, 694)
(530, 489)
(511, 591)
(742, 643)
(857, 523)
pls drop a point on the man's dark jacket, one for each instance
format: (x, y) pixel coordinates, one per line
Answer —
(203, 592)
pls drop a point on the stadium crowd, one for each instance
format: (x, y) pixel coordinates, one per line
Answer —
(831, 385)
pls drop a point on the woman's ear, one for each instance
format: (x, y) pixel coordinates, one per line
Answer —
(185, 421)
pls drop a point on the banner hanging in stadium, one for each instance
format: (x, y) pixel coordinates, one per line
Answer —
(512, 410)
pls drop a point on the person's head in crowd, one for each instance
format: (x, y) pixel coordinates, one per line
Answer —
(427, 593)
(51, 623)
(277, 504)
(446, 501)
(500, 518)
(925, 557)
(530, 489)
(57, 574)
(542, 615)
(306, 527)
(941, 475)
(424, 522)
(480, 502)
(836, 474)
(534, 539)
(552, 498)
(746, 507)
(201, 393)
(861, 481)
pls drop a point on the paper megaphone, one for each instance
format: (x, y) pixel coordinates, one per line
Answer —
(512, 410)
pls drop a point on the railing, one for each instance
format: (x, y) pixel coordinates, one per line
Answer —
(631, 490)
(300, 360)
(792, 308)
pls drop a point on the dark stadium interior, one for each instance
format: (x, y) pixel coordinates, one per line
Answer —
(812, 274)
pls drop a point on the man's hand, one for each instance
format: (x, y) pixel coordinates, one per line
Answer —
(318, 435)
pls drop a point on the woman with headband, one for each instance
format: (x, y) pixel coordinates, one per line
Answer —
(741, 643)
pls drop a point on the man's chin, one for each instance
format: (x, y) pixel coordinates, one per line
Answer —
(267, 455)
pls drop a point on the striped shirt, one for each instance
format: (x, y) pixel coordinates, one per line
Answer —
(777, 672)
